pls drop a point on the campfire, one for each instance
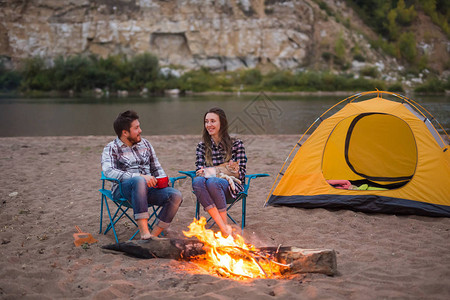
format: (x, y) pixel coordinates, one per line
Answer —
(231, 256)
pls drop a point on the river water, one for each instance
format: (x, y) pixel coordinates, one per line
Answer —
(247, 114)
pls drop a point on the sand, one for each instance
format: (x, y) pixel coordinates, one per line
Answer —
(50, 184)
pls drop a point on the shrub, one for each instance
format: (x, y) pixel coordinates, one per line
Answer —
(327, 56)
(71, 73)
(251, 77)
(407, 46)
(432, 85)
(278, 80)
(359, 57)
(9, 79)
(30, 68)
(197, 80)
(145, 68)
(340, 47)
(370, 72)
(396, 87)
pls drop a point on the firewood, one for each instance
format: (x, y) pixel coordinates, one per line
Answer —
(159, 248)
(304, 260)
(295, 260)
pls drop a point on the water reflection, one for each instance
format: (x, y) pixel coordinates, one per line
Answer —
(175, 115)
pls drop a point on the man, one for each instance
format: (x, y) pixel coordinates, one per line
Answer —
(132, 160)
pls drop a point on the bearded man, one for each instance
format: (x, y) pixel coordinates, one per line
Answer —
(132, 160)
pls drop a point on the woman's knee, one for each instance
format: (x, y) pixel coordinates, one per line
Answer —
(198, 183)
(214, 183)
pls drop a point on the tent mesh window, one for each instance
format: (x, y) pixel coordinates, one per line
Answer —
(378, 149)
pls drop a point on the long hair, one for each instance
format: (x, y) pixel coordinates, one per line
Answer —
(225, 138)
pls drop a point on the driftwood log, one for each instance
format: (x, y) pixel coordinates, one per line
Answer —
(297, 260)
(160, 248)
(304, 260)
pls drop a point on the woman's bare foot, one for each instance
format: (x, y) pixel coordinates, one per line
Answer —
(226, 231)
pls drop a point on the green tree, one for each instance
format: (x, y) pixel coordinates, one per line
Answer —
(35, 74)
(405, 15)
(339, 48)
(407, 46)
(9, 79)
(392, 25)
(145, 68)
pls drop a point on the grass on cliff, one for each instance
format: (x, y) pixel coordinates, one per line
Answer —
(82, 75)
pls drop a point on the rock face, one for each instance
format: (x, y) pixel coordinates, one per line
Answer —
(217, 34)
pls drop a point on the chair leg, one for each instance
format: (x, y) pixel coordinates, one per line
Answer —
(116, 218)
(197, 210)
(101, 214)
(111, 220)
(244, 211)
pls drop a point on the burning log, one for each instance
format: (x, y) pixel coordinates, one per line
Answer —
(160, 248)
(289, 260)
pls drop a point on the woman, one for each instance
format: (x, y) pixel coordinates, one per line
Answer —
(217, 154)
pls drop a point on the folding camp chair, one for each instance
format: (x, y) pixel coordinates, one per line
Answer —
(242, 196)
(123, 205)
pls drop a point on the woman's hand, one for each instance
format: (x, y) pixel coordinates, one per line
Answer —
(200, 172)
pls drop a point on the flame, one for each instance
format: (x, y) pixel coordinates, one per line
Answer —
(231, 256)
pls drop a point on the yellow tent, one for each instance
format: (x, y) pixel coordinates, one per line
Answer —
(375, 155)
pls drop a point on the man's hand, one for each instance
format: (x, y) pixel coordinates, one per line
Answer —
(151, 180)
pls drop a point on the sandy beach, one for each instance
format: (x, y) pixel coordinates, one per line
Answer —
(50, 184)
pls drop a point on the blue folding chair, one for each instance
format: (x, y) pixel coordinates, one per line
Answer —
(242, 196)
(123, 205)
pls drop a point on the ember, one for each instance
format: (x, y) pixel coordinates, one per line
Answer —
(231, 256)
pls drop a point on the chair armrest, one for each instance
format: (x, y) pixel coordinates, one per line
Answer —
(174, 179)
(252, 176)
(109, 178)
(191, 174)
(104, 178)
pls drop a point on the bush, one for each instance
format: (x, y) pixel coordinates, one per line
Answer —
(278, 80)
(197, 81)
(340, 47)
(309, 81)
(9, 79)
(144, 68)
(71, 73)
(396, 87)
(30, 69)
(432, 85)
(405, 16)
(370, 72)
(327, 56)
(407, 46)
(251, 77)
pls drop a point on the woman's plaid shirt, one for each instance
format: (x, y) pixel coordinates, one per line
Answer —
(218, 157)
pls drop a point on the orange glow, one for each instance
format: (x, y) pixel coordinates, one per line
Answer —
(231, 256)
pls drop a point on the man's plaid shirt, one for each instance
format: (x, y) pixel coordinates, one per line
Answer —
(122, 162)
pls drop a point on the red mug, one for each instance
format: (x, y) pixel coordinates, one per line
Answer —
(162, 182)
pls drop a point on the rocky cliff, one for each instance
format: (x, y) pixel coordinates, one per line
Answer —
(217, 34)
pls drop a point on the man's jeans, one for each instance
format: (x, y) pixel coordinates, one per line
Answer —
(142, 196)
(212, 192)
